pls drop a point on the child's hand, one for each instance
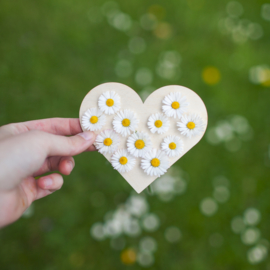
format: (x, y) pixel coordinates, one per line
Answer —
(31, 149)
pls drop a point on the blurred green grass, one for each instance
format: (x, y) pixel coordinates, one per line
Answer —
(52, 54)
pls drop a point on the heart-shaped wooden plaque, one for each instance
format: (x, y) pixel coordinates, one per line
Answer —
(137, 178)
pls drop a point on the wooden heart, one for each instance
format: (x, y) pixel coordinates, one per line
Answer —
(137, 178)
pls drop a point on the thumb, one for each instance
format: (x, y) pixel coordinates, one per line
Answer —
(69, 146)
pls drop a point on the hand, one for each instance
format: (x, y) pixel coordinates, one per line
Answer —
(30, 149)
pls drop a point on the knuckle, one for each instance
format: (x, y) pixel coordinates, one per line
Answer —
(11, 129)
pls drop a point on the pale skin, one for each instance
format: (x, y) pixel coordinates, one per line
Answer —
(29, 150)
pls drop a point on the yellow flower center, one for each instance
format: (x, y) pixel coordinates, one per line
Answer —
(139, 144)
(190, 125)
(94, 119)
(126, 122)
(175, 105)
(158, 123)
(109, 102)
(123, 160)
(172, 145)
(107, 141)
(155, 162)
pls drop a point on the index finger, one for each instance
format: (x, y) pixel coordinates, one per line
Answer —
(57, 126)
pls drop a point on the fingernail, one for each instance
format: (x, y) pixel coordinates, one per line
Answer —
(87, 135)
(47, 182)
(70, 165)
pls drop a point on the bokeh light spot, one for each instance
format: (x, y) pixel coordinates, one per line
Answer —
(163, 30)
(250, 236)
(121, 21)
(211, 75)
(237, 224)
(257, 254)
(168, 65)
(173, 234)
(234, 9)
(208, 206)
(252, 216)
(97, 231)
(260, 75)
(148, 244)
(265, 12)
(128, 256)
(150, 222)
(145, 259)
(266, 78)
(221, 194)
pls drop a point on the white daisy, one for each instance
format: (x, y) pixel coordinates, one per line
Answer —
(155, 163)
(138, 144)
(93, 119)
(125, 122)
(159, 123)
(191, 125)
(122, 161)
(107, 142)
(109, 102)
(174, 104)
(172, 145)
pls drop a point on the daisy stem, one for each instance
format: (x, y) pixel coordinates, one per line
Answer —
(150, 190)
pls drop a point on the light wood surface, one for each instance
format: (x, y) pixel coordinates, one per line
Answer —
(153, 104)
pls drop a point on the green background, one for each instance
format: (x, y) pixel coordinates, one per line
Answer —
(54, 52)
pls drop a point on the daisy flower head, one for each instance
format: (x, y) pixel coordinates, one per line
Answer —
(174, 105)
(122, 161)
(138, 144)
(172, 145)
(125, 122)
(159, 123)
(93, 119)
(107, 142)
(191, 125)
(155, 163)
(109, 102)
